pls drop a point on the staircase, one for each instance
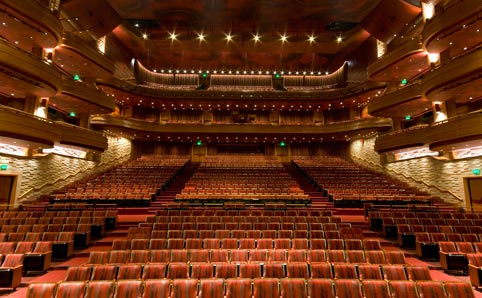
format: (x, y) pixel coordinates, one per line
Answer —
(169, 194)
(315, 195)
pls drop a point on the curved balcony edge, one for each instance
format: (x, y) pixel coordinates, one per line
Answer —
(77, 45)
(104, 121)
(81, 137)
(89, 95)
(30, 69)
(412, 137)
(135, 89)
(454, 73)
(41, 19)
(448, 19)
(402, 52)
(394, 98)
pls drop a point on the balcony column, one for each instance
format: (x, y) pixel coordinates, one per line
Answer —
(207, 117)
(451, 108)
(84, 120)
(274, 118)
(36, 106)
(439, 111)
(397, 125)
(318, 118)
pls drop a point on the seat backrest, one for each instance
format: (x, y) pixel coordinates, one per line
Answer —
(274, 270)
(447, 246)
(465, 247)
(297, 270)
(219, 255)
(202, 270)
(13, 260)
(375, 289)
(184, 288)
(345, 270)
(321, 270)
(375, 257)
(394, 272)
(128, 289)
(321, 287)
(211, 288)
(226, 270)
(238, 288)
(457, 289)
(78, 273)
(179, 255)
(98, 257)
(129, 271)
(395, 257)
(7, 247)
(24, 247)
(99, 288)
(43, 247)
(41, 290)
(154, 271)
(431, 289)
(368, 271)
(249, 270)
(156, 288)
(104, 272)
(177, 270)
(73, 289)
(266, 287)
(348, 288)
(416, 273)
(293, 287)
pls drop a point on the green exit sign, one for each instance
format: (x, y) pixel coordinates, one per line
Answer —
(3, 167)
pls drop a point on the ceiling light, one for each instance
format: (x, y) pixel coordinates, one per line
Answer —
(229, 37)
(311, 38)
(283, 38)
(256, 38)
(201, 37)
(173, 36)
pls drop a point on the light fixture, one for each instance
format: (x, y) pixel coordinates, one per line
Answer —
(256, 38)
(311, 38)
(283, 38)
(229, 37)
(172, 36)
(201, 36)
(339, 39)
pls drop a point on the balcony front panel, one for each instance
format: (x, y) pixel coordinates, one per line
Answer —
(30, 24)
(27, 74)
(457, 27)
(455, 130)
(405, 62)
(82, 99)
(404, 101)
(116, 123)
(81, 137)
(76, 56)
(24, 126)
(459, 79)
(407, 138)
(123, 90)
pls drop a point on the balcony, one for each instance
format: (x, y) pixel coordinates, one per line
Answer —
(459, 78)
(23, 74)
(81, 137)
(407, 61)
(463, 129)
(34, 132)
(139, 127)
(456, 27)
(82, 99)
(76, 56)
(407, 138)
(30, 24)
(404, 101)
(452, 134)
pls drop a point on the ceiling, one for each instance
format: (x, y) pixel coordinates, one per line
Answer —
(337, 29)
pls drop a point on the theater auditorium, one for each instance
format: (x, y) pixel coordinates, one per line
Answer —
(240, 148)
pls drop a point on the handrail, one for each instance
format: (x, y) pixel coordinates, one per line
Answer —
(365, 161)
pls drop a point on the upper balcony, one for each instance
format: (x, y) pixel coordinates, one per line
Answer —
(82, 98)
(465, 129)
(36, 132)
(29, 24)
(23, 74)
(459, 79)
(76, 56)
(449, 135)
(407, 61)
(456, 28)
(404, 101)
(407, 138)
(139, 129)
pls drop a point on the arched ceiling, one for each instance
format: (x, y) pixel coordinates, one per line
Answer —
(325, 21)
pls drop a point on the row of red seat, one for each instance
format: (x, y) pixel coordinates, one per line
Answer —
(300, 221)
(253, 288)
(246, 243)
(237, 256)
(245, 212)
